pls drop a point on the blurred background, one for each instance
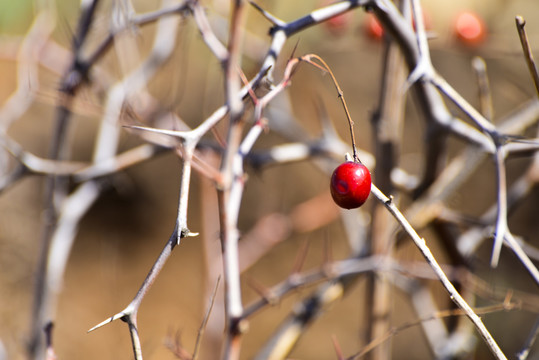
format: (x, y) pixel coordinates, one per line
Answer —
(123, 233)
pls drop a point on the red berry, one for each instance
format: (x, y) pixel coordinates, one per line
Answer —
(339, 24)
(470, 28)
(373, 29)
(350, 185)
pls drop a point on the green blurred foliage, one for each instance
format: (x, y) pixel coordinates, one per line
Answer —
(15, 16)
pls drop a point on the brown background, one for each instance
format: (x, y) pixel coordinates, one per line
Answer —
(123, 233)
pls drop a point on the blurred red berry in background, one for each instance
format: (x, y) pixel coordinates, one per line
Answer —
(374, 30)
(339, 24)
(372, 27)
(470, 29)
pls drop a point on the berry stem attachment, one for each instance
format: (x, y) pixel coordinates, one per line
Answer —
(323, 66)
(348, 117)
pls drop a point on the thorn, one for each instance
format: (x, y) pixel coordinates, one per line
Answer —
(300, 258)
(294, 50)
(507, 303)
(496, 250)
(187, 233)
(249, 88)
(108, 321)
(101, 324)
(328, 255)
(337, 347)
(272, 19)
(263, 291)
(175, 133)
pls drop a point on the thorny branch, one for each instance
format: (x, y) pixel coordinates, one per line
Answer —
(65, 206)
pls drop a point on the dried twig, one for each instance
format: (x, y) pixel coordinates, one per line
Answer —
(72, 187)
(521, 23)
(453, 293)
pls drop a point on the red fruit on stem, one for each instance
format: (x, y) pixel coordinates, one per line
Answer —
(350, 185)
(470, 28)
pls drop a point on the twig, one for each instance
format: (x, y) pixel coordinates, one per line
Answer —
(387, 130)
(427, 254)
(485, 95)
(202, 328)
(231, 187)
(440, 314)
(67, 207)
(55, 186)
(521, 23)
(338, 350)
(213, 43)
(523, 354)
(501, 217)
(340, 94)
(51, 354)
(283, 340)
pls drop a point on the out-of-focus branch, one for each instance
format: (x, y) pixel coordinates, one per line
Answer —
(387, 130)
(55, 186)
(523, 354)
